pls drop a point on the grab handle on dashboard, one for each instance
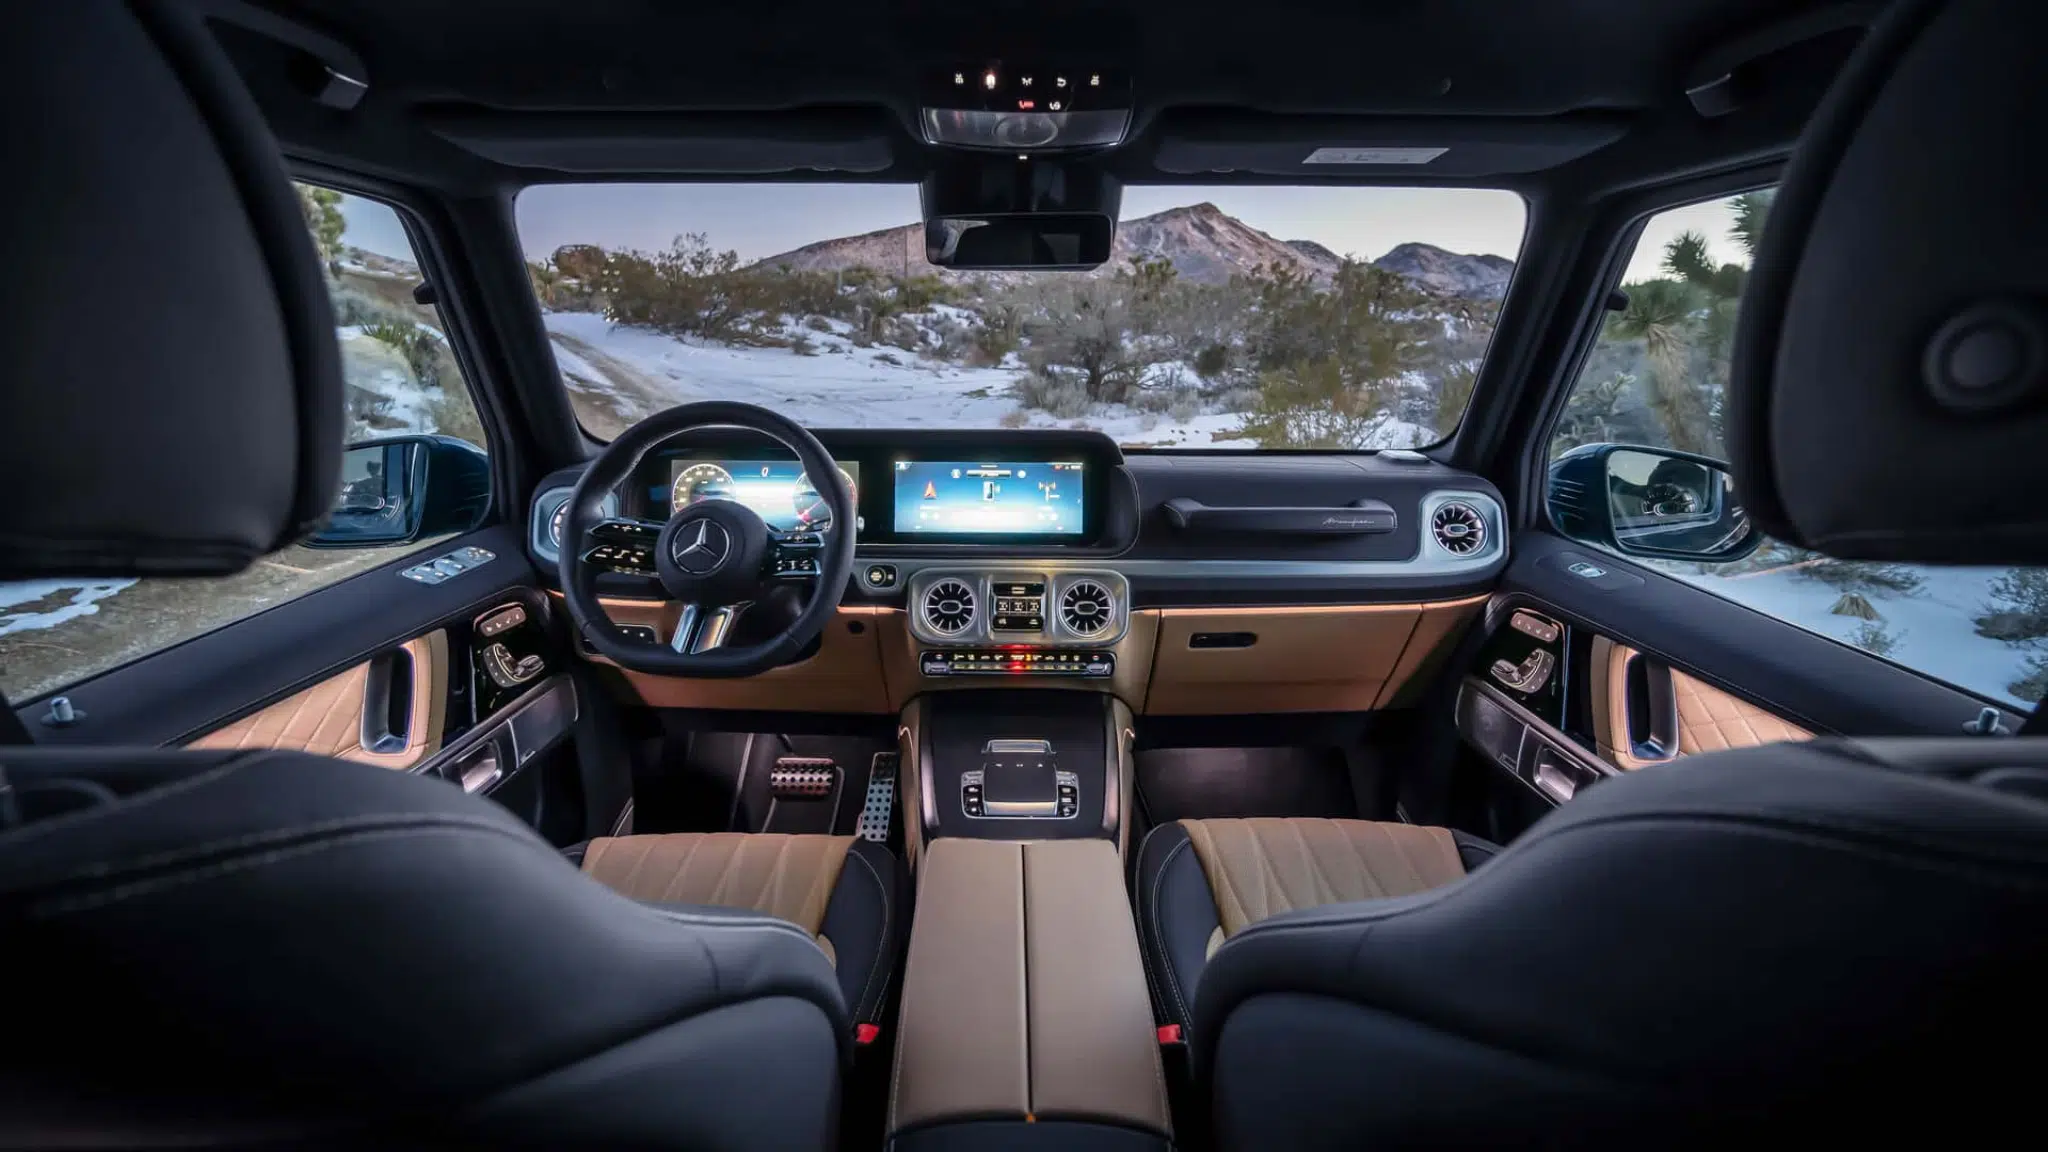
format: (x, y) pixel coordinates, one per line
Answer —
(1361, 518)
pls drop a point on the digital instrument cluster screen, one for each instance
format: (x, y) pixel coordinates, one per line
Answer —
(778, 491)
(967, 498)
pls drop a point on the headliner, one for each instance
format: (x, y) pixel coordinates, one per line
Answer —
(545, 72)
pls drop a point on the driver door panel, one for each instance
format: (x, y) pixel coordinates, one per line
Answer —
(381, 669)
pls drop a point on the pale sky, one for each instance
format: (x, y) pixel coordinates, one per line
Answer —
(761, 220)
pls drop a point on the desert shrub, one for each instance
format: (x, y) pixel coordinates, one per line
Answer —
(368, 413)
(689, 289)
(322, 209)
(454, 415)
(1316, 406)
(1212, 360)
(1015, 418)
(1185, 409)
(1063, 396)
(2033, 684)
(803, 345)
(1875, 638)
(998, 335)
(421, 348)
(818, 324)
(2019, 606)
(888, 358)
(1863, 576)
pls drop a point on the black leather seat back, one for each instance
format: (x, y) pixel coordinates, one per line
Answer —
(169, 338)
(1796, 941)
(259, 948)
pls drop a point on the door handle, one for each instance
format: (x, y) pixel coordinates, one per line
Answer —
(1650, 709)
(388, 696)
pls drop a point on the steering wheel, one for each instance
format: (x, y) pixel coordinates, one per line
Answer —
(715, 557)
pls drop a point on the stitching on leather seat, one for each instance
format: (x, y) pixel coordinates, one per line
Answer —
(85, 902)
(882, 946)
(43, 827)
(1165, 960)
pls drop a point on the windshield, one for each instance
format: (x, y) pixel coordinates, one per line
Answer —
(1334, 318)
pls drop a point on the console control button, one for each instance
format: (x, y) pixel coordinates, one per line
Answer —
(881, 576)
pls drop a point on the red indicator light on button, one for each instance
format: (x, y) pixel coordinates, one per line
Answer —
(1026, 105)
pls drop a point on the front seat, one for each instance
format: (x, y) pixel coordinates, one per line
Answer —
(254, 947)
(1833, 940)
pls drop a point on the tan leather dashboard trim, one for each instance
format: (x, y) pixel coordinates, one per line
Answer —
(1708, 719)
(1312, 658)
(1320, 658)
(327, 719)
(1024, 992)
(845, 675)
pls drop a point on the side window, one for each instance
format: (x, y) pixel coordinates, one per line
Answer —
(1658, 378)
(401, 379)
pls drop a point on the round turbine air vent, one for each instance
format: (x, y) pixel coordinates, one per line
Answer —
(1458, 528)
(1086, 608)
(948, 607)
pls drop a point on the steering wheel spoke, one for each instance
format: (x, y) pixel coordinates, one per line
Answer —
(622, 545)
(701, 629)
(793, 555)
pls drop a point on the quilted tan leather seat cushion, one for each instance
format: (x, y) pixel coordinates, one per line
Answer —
(1263, 867)
(790, 877)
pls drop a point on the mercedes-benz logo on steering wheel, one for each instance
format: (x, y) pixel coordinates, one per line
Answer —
(702, 549)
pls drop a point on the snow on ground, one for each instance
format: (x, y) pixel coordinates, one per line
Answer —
(80, 599)
(1934, 625)
(842, 386)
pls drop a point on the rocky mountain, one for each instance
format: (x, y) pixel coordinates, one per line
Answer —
(1204, 244)
(1450, 273)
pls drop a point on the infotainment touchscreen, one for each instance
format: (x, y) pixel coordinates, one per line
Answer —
(979, 498)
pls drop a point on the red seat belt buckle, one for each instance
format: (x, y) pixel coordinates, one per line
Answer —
(865, 1034)
(1169, 1034)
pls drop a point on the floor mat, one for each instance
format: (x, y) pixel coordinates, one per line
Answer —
(1207, 783)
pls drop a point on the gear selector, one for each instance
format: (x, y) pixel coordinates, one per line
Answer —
(1019, 780)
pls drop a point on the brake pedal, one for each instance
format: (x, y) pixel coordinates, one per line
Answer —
(880, 806)
(803, 778)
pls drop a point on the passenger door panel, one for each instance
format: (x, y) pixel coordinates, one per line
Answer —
(1647, 669)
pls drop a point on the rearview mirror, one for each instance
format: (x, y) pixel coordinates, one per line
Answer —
(1654, 503)
(398, 489)
(1076, 241)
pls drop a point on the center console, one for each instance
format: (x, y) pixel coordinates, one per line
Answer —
(1018, 765)
(1025, 1022)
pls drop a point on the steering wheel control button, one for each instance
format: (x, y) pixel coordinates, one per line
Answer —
(880, 576)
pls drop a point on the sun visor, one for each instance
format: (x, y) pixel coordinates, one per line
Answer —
(1435, 148)
(713, 144)
(1889, 383)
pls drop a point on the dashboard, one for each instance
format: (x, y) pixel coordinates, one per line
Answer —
(1050, 553)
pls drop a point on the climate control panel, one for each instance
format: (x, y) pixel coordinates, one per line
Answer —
(1019, 610)
(1017, 662)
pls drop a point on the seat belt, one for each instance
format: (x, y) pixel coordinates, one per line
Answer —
(12, 730)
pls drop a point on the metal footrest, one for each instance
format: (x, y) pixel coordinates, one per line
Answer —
(880, 806)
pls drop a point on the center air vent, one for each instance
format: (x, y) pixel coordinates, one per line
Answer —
(1086, 608)
(948, 607)
(1459, 528)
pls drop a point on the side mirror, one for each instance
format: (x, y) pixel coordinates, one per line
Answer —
(398, 489)
(1654, 503)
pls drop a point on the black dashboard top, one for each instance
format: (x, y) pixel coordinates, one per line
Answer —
(1264, 528)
